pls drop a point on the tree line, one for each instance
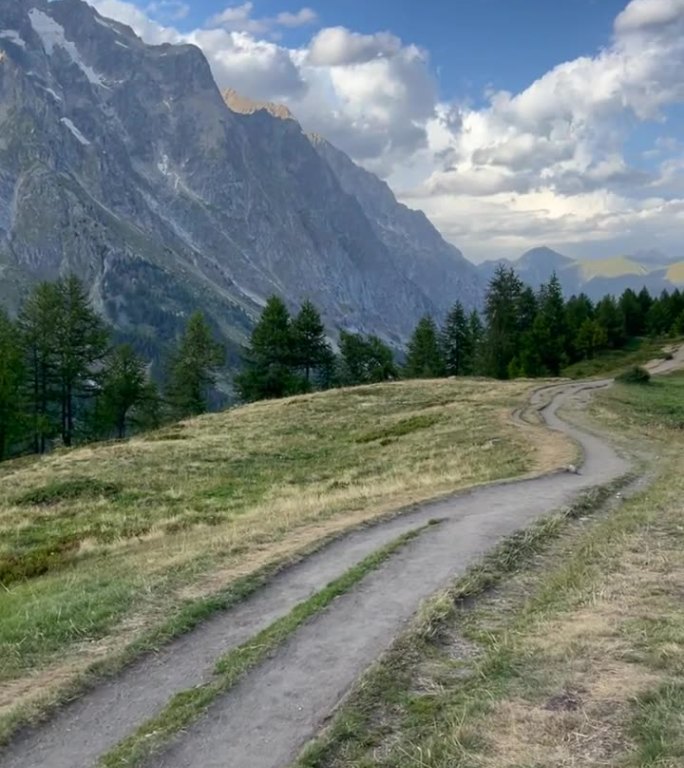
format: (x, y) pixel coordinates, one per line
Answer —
(62, 379)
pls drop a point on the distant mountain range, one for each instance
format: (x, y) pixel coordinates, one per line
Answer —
(595, 277)
(122, 162)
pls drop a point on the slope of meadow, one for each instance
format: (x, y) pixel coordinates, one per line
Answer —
(102, 545)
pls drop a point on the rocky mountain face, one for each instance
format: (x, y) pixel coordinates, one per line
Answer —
(121, 162)
(595, 277)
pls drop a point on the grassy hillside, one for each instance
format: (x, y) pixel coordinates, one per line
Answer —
(576, 659)
(103, 545)
(613, 361)
(675, 273)
(612, 267)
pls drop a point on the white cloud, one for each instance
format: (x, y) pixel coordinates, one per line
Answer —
(545, 164)
(642, 14)
(302, 18)
(337, 46)
(239, 18)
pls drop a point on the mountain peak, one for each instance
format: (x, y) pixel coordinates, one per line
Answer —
(245, 106)
(544, 256)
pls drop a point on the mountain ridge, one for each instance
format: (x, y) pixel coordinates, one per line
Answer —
(121, 162)
(595, 277)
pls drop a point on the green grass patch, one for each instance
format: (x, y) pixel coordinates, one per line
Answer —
(72, 489)
(658, 727)
(400, 429)
(613, 361)
(186, 706)
(661, 403)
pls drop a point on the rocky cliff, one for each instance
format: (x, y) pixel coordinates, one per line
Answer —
(122, 162)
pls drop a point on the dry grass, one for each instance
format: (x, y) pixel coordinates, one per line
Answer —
(101, 544)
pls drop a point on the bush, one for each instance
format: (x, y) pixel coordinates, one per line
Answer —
(634, 375)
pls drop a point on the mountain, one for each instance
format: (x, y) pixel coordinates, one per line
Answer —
(122, 162)
(595, 277)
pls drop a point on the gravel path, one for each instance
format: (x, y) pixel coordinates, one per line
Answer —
(264, 721)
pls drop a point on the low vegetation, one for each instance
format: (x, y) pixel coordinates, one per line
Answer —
(637, 351)
(103, 545)
(575, 659)
(634, 375)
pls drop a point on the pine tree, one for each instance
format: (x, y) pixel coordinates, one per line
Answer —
(193, 368)
(124, 386)
(502, 313)
(37, 325)
(646, 301)
(364, 360)
(591, 338)
(268, 365)
(578, 309)
(611, 319)
(310, 349)
(549, 332)
(457, 344)
(81, 344)
(476, 333)
(424, 357)
(658, 317)
(11, 378)
(633, 313)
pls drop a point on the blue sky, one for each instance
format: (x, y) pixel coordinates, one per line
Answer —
(472, 43)
(511, 123)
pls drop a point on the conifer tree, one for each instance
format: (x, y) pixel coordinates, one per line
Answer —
(591, 338)
(11, 378)
(611, 319)
(549, 331)
(364, 360)
(37, 325)
(424, 357)
(268, 365)
(81, 344)
(457, 343)
(633, 314)
(476, 333)
(578, 309)
(310, 349)
(502, 312)
(193, 368)
(124, 386)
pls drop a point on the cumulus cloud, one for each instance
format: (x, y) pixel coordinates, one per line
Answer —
(643, 14)
(240, 18)
(337, 46)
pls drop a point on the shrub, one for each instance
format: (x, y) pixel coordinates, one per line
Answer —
(634, 375)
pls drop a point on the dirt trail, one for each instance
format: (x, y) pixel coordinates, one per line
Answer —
(264, 721)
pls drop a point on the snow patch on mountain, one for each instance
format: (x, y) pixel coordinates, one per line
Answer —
(52, 36)
(79, 136)
(13, 37)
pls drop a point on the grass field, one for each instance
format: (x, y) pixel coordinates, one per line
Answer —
(611, 362)
(108, 547)
(576, 660)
